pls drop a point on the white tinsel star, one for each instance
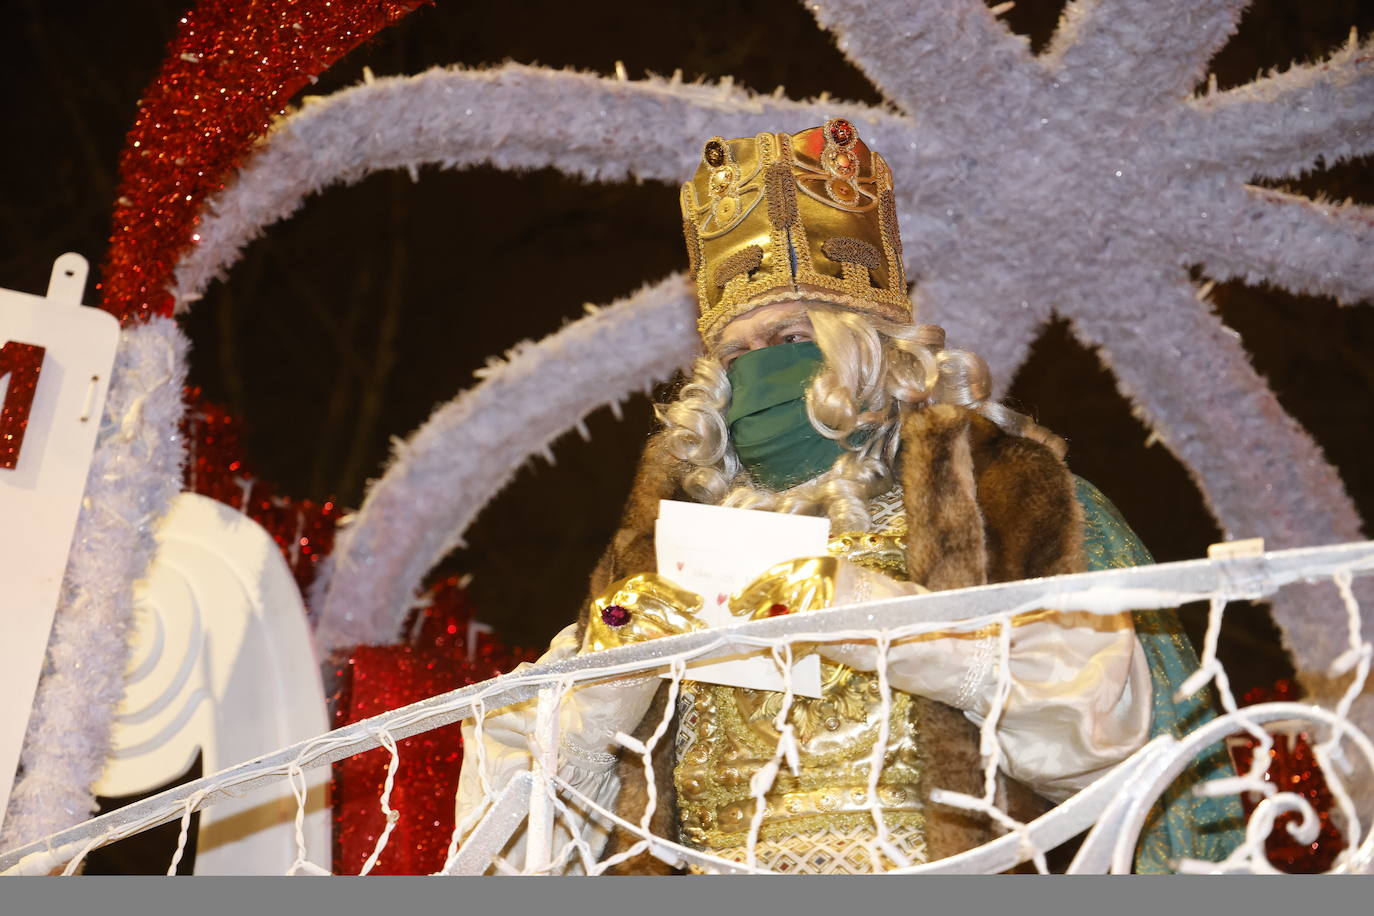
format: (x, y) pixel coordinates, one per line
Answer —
(1084, 182)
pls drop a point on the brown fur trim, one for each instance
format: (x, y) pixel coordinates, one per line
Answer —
(632, 548)
(633, 799)
(945, 533)
(632, 551)
(984, 505)
(1033, 523)
(1018, 800)
(949, 753)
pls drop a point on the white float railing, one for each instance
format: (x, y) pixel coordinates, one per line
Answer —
(1117, 803)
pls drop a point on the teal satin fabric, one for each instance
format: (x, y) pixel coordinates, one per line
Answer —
(769, 427)
(1180, 825)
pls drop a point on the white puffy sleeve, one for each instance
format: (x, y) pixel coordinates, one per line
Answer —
(1080, 698)
(589, 718)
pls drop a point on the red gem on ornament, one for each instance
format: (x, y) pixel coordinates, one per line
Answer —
(779, 610)
(615, 616)
(841, 131)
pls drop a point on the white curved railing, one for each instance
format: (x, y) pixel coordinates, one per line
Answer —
(1115, 806)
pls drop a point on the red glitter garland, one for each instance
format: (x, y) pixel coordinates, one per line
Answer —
(232, 67)
(1292, 768)
(23, 363)
(215, 467)
(444, 653)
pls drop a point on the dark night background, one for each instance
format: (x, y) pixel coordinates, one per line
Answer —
(345, 326)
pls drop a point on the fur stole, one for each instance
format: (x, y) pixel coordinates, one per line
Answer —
(982, 506)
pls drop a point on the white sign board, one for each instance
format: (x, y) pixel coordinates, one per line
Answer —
(55, 356)
(713, 551)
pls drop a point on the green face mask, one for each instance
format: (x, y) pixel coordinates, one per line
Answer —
(767, 417)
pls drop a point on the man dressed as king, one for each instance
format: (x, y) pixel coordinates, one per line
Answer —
(817, 394)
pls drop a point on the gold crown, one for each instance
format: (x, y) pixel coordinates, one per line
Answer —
(781, 217)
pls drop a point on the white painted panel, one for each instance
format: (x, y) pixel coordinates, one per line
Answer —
(223, 664)
(41, 496)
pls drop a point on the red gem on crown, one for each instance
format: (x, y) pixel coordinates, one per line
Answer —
(841, 131)
(779, 610)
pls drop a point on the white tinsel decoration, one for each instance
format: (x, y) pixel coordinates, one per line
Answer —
(1083, 182)
(134, 475)
(472, 446)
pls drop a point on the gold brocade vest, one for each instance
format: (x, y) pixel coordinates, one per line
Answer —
(727, 735)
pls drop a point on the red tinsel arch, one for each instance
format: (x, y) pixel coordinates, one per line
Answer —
(230, 70)
(232, 67)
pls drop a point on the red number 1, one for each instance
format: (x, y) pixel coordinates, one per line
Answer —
(22, 363)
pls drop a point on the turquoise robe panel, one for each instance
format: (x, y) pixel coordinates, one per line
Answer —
(1180, 825)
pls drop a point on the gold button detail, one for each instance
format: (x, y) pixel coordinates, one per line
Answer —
(891, 796)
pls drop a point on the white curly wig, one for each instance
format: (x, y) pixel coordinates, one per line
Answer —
(874, 372)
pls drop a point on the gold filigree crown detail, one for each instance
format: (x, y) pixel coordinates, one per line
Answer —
(780, 217)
